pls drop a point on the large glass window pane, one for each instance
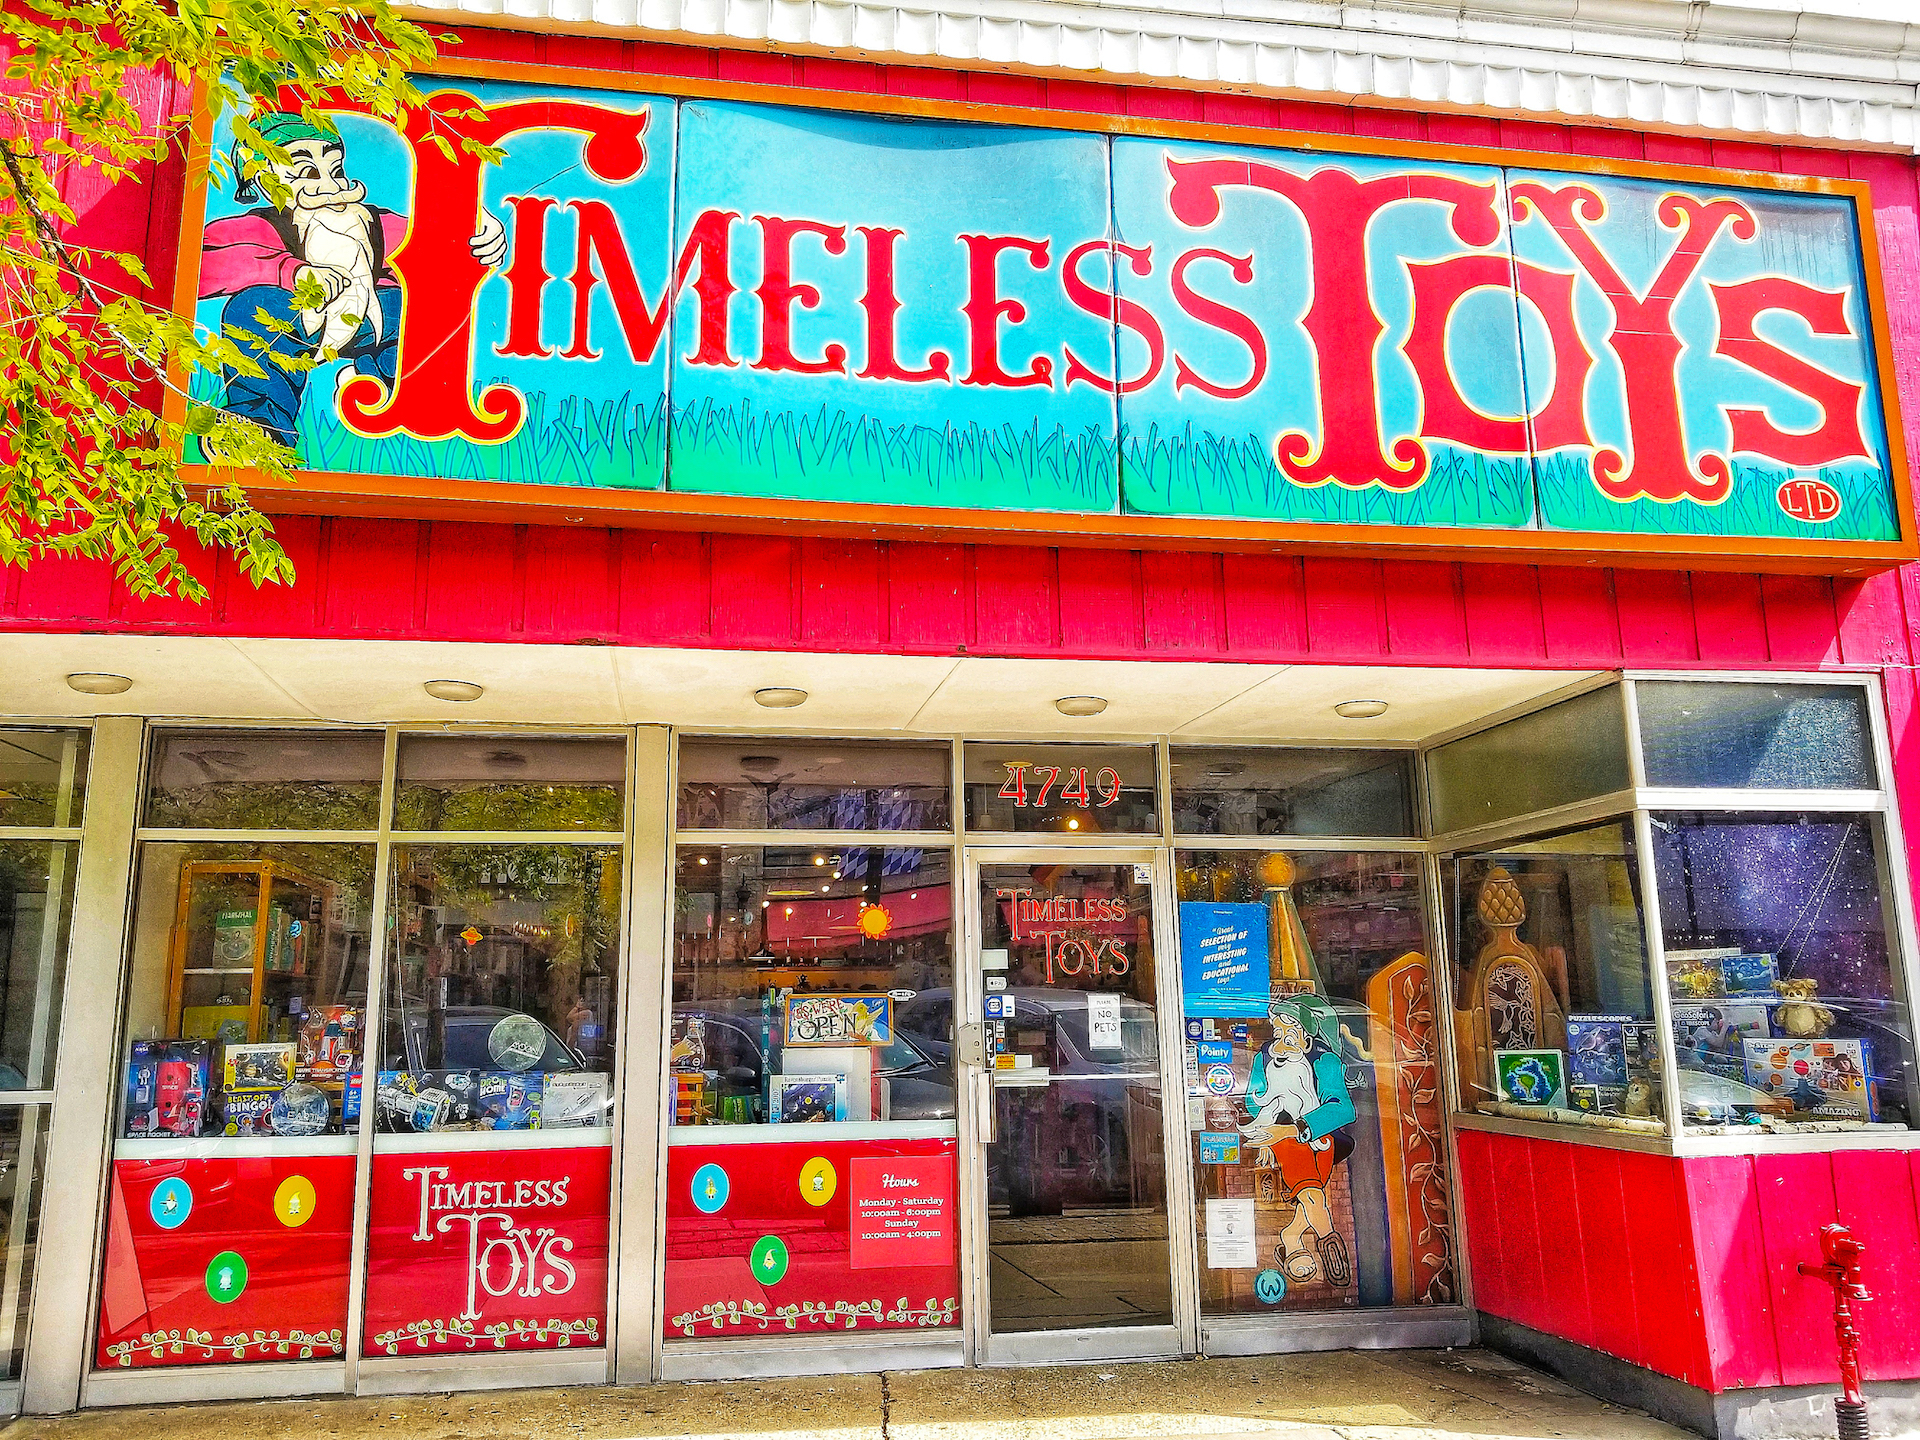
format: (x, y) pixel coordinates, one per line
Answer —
(231, 1210)
(23, 1156)
(491, 1193)
(1553, 1015)
(765, 784)
(1273, 791)
(1571, 751)
(1312, 1081)
(43, 776)
(265, 780)
(1062, 789)
(36, 911)
(510, 782)
(810, 1171)
(1777, 737)
(1788, 1009)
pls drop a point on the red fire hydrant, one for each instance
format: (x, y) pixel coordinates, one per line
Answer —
(1842, 1271)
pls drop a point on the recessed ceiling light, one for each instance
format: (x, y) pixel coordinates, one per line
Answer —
(94, 683)
(1360, 709)
(1080, 704)
(457, 691)
(779, 697)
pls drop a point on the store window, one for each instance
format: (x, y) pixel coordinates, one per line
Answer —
(1553, 1008)
(1313, 1081)
(1571, 751)
(811, 1163)
(1281, 791)
(230, 1226)
(42, 784)
(1726, 735)
(1789, 1012)
(814, 785)
(256, 1048)
(1082, 790)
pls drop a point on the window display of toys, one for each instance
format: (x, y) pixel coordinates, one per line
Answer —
(508, 1101)
(1748, 974)
(1798, 1015)
(329, 1043)
(256, 1068)
(167, 1083)
(1531, 1077)
(1597, 1050)
(571, 1101)
(1697, 974)
(1823, 1079)
(419, 1101)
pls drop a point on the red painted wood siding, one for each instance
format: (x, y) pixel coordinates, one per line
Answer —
(1691, 1267)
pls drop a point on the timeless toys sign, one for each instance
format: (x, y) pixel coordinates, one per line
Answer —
(654, 298)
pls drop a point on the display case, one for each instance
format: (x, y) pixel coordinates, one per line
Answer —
(248, 952)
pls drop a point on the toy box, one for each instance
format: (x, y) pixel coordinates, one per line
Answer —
(1748, 974)
(223, 1024)
(233, 940)
(1597, 1049)
(1825, 1079)
(507, 1101)
(246, 1112)
(167, 1084)
(808, 1098)
(254, 1068)
(417, 1101)
(1531, 1077)
(571, 1101)
(1697, 974)
(329, 1043)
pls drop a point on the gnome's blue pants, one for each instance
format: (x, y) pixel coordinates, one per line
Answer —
(272, 399)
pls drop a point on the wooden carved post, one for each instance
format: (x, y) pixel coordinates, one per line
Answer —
(1406, 1052)
(1289, 956)
(1510, 1003)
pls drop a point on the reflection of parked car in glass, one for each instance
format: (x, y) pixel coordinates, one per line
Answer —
(918, 1086)
(462, 1042)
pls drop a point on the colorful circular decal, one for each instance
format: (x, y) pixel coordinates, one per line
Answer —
(769, 1260)
(818, 1181)
(172, 1202)
(226, 1277)
(709, 1189)
(1269, 1287)
(293, 1202)
(1220, 1079)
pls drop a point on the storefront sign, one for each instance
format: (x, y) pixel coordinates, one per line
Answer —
(228, 1258)
(657, 299)
(839, 1020)
(485, 1250)
(861, 1235)
(1223, 959)
(902, 1212)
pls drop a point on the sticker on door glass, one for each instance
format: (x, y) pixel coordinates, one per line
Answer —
(1143, 874)
(1103, 1022)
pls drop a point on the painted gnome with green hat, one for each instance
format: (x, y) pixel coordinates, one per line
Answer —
(326, 232)
(1298, 1108)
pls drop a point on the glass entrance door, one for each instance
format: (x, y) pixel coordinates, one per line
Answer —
(1068, 1094)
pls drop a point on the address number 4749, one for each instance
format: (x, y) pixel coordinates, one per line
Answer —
(1106, 785)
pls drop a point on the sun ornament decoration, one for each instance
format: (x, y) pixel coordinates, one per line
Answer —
(875, 922)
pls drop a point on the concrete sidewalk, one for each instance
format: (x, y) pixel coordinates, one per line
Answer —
(1370, 1395)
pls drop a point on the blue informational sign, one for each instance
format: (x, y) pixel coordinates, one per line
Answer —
(1220, 1147)
(1214, 1052)
(1223, 958)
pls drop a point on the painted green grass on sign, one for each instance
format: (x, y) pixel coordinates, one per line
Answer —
(615, 444)
(1569, 500)
(827, 454)
(1197, 472)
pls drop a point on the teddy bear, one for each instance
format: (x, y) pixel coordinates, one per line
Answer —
(1799, 1016)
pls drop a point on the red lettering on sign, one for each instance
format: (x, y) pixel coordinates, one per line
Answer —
(778, 294)
(1643, 338)
(1107, 306)
(600, 236)
(526, 277)
(882, 305)
(708, 247)
(1221, 317)
(1341, 321)
(1837, 436)
(1812, 500)
(432, 396)
(985, 307)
